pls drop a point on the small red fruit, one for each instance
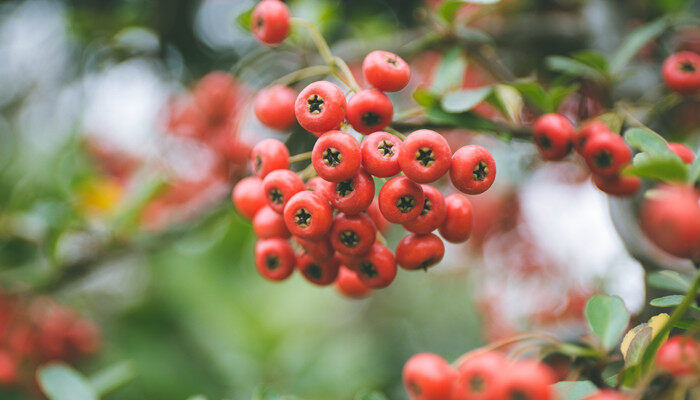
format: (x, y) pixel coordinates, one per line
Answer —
(553, 135)
(682, 151)
(589, 130)
(321, 187)
(336, 156)
(419, 251)
(380, 154)
(386, 71)
(349, 285)
(618, 185)
(268, 155)
(458, 219)
(608, 395)
(425, 156)
(529, 380)
(427, 376)
(274, 107)
(268, 224)
(270, 21)
(320, 107)
(354, 195)
(680, 356)
(319, 249)
(681, 71)
(350, 262)
(480, 376)
(274, 259)
(606, 154)
(280, 185)
(378, 267)
(473, 169)
(400, 200)
(432, 215)
(370, 111)
(248, 196)
(308, 215)
(321, 274)
(379, 221)
(353, 235)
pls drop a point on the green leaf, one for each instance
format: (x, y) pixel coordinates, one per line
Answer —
(688, 324)
(425, 98)
(592, 59)
(638, 345)
(464, 100)
(694, 174)
(450, 73)
(508, 100)
(574, 68)
(664, 168)
(667, 301)
(61, 382)
(607, 318)
(574, 390)
(112, 378)
(197, 397)
(244, 19)
(465, 120)
(669, 280)
(634, 42)
(535, 95)
(472, 36)
(647, 141)
(370, 395)
(449, 8)
(559, 93)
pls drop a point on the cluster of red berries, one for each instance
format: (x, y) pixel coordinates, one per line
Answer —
(36, 330)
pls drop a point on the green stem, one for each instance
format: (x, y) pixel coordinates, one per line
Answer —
(301, 74)
(408, 113)
(351, 82)
(323, 49)
(395, 132)
(300, 157)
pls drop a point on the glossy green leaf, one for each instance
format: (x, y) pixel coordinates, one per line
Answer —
(535, 95)
(370, 395)
(664, 168)
(450, 73)
(592, 59)
(574, 390)
(61, 382)
(688, 324)
(669, 280)
(647, 141)
(667, 301)
(464, 100)
(466, 120)
(634, 42)
(558, 94)
(574, 68)
(607, 318)
(244, 19)
(449, 8)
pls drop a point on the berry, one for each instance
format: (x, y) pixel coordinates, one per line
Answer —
(400, 200)
(380, 154)
(248, 197)
(321, 274)
(681, 71)
(432, 215)
(8, 369)
(274, 107)
(670, 217)
(336, 156)
(350, 262)
(680, 356)
(425, 156)
(353, 195)
(353, 235)
(589, 130)
(349, 285)
(618, 185)
(370, 111)
(379, 221)
(480, 376)
(269, 155)
(269, 21)
(553, 135)
(321, 187)
(386, 71)
(458, 219)
(428, 376)
(473, 169)
(269, 224)
(608, 395)
(378, 267)
(419, 251)
(280, 185)
(320, 249)
(528, 380)
(320, 107)
(606, 154)
(308, 215)
(682, 151)
(274, 259)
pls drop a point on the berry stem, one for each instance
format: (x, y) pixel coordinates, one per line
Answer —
(351, 82)
(307, 173)
(301, 74)
(300, 157)
(323, 49)
(395, 132)
(381, 239)
(408, 113)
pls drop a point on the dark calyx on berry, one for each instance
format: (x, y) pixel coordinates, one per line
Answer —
(276, 196)
(386, 148)
(687, 66)
(272, 262)
(345, 187)
(603, 159)
(258, 162)
(314, 271)
(427, 206)
(332, 157)
(427, 263)
(545, 142)
(367, 269)
(315, 104)
(371, 118)
(480, 172)
(349, 238)
(425, 156)
(302, 217)
(405, 203)
(391, 60)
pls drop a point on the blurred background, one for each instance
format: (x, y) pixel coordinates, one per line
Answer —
(119, 146)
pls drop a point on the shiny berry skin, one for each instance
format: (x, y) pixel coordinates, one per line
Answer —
(379, 221)
(681, 72)
(553, 134)
(321, 274)
(308, 215)
(350, 262)
(529, 380)
(353, 195)
(400, 200)
(458, 219)
(321, 187)
(370, 111)
(680, 356)
(380, 154)
(473, 169)
(670, 217)
(320, 250)
(425, 156)
(268, 155)
(386, 71)
(606, 154)
(248, 196)
(274, 107)
(269, 224)
(336, 156)
(427, 376)
(608, 395)
(270, 21)
(378, 267)
(353, 235)
(618, 185)
(682, 151)
(8, 368)
(349, 285)
(280, 185)
(416, 251)
(589, 130)
(432, 215)
(274, 259)
(320, 107)
(480, 376)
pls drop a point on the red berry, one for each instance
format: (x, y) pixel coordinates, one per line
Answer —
(269, 224)
(370, 111)
(280, 185)
(320, 107)
(606, 154)
(681, 71)
(608, 395)
(8, 369)
(589, 130)
(350, 262)
(354, 195)
(400, 200)
(320, 249)
(321, 187)
(274, 107)
(481, 376)
(380, 154)
(458, 219)
(270, 21)
(84, 336)
(529, 380)
(322, 274)
(336, 156)
(425, 156)
(682, 151)
(379, 221)
(670, 217)
(428, 376)
(308, 215)
(274, 259)
(553, 134)
(349, 285)
(378, 267)
(419, 251)
(248, 196)
(386, 71)
(432, 215)
(473, 169)
(618, 185)
(353, 235)
(680, 356)
(269, 155)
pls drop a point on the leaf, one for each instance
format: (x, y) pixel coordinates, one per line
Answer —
(61, 382)
(508, 100)
(111, 378)
(450, 73)
(688, 324)
(574, 68)
(425, 98)
(667, 301)
(472, 36)
(637, 346)
(607, 318)
(574, 390)
(669, 280)
(464, 100)
(197, 397)
(694, 174)
(370, 395)
(558, 94)
(634, 42)
(535, 95)
(667, 169)
(244, 19)
(647, 141)
(465, 120)
(449, 9)
(593, 59)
